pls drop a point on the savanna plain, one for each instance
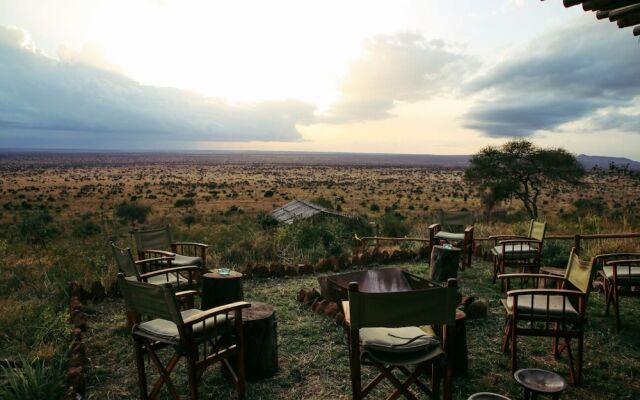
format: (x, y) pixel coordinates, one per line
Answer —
(59, 211)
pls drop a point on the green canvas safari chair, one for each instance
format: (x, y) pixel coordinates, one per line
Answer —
(157, 271)
(617, 272)
(455, 228)
(556, 313)
(391, 331)
(522, 252)
(201, 337)
(158, 242)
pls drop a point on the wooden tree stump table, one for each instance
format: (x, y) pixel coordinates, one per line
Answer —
(444, 262)
(260, 341)
(220, 289)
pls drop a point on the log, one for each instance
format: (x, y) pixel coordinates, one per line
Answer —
(260, 341)
(218, 290)
(331, 310)
(276, 269)
(301, 294)
(444, 263)
(636, 31)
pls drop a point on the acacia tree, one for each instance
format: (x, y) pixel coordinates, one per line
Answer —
(521, 170)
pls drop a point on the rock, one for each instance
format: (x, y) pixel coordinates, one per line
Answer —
(301, 294)
(331, 310)
(276, 269)
(344, 261)
(311, 296)
(321, 306)
(477, 309)
(335, 266)
(291, 270)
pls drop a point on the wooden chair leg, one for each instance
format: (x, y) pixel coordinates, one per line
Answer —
(193, 380)
(607, 296)
(435, 379)
(354, 364)
(616, 305)
(507, 335)
(495, 269)
(572, 369)
(142, 376)
(514, 354)
(580, 358)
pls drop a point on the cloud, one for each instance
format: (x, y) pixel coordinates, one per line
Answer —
(587, 70)
(80, 100)
(403, 67)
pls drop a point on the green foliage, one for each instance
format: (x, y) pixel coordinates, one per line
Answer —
(132, 213)
(34, 380)
(266, 221)
(312, 239)
(83, 229)
(374, 207)
(188, 202)
(521, 170)
(392, 224)
(189, 219)
(323, 202)
(36, 228)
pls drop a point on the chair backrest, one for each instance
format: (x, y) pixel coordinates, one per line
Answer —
(435, 305)
(455, 221)
(153, 238)
(579, 274)
(155, 301)
(125, 261)
(537, 230)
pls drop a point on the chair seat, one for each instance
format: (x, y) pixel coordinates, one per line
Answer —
(400, 346)
(398, 340)
(516, 251)
(184, 261)
(167, 330)
(450, 236)
(540, 306)
(625, 274)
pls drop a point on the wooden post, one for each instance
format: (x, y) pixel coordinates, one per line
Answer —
(576, 243)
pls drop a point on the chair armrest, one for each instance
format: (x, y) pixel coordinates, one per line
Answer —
(227, 308)
(155, 259)
(614, 263)
(523, 240)
(498, 238)
(535, 276)
(149, 253)
(434, 226)
(545, 292)
(190, 244)
(186, 293)
(188, 268)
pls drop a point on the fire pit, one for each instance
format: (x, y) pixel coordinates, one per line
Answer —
(334, 288)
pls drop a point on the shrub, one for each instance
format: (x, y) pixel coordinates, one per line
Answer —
(374, 207)
(36, 228)
(393, 225)
(132, 213)
(184, 203)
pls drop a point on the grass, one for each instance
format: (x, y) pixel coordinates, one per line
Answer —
(313, 353)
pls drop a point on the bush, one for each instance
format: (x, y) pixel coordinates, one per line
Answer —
(184, 203)
(36, 228)
(393, 225)
(132, 213)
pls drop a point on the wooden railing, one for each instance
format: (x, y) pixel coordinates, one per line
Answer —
(577, 238)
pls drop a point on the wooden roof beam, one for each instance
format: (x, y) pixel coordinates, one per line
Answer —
(571, 3)
(628, 20)
(606, 5)
(602, 14)
(636, 31)
(619, 12)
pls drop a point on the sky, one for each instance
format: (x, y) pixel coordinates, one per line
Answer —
(419, 77)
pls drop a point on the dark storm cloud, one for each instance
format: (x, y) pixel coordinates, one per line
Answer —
(80, 100)
(564, 76)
